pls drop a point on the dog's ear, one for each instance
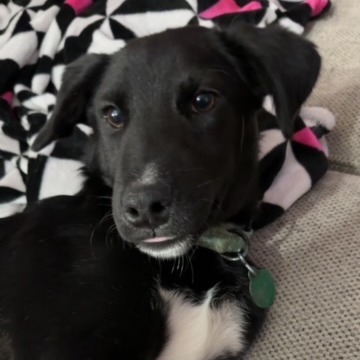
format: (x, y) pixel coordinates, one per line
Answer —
(79, 81)
(275, 62)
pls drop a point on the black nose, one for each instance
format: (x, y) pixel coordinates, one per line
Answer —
(147, 205)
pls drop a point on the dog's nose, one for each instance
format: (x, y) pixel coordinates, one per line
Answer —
(147, 206)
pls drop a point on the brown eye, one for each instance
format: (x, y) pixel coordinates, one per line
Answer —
(114, 117)
(203, 102)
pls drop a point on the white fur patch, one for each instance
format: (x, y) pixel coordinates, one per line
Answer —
(150, 175)
(200, 331)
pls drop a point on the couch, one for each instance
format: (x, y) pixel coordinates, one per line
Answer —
(313, 250)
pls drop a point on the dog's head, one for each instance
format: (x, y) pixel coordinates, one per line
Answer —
(175, 129)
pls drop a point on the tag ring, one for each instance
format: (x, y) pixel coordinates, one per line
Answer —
(246, 264)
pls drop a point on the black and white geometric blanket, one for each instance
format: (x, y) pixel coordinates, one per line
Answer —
(38, 38)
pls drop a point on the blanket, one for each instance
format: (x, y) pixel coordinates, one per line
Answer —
(38, 38)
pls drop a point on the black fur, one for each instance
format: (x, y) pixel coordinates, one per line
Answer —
(74, 291)
(73, 284)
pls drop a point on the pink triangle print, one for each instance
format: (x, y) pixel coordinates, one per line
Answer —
(307, 138)
(224, 7)
(79, 5)
(317, 6)
(8, 97)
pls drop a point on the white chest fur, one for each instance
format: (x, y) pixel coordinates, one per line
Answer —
(201, 331)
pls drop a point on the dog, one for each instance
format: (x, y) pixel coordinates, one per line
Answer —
(115, 271)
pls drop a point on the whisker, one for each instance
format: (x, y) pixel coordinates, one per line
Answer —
(186, 170)
(107, 216)
(108, 233)
(205, 200)
(191, 265)
(242, 134)
(219, 70)
(104, 197)
(208, 182)
(178, 263)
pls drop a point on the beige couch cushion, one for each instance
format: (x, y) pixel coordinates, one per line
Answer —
(338, 38)
(313, 252)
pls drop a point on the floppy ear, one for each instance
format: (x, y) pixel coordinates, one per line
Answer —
(78, 84)
(275, 62)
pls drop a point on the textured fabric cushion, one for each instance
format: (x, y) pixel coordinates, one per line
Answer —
(338, 38)
(313, 252)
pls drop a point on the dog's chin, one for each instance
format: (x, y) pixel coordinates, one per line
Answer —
(166, 248)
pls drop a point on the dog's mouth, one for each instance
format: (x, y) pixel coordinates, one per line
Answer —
(166, 247)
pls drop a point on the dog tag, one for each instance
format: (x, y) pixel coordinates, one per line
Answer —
(262, 288)
(223, 239)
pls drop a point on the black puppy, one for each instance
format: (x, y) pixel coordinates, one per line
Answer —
(174, 152)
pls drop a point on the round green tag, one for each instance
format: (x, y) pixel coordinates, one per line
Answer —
(262, 288)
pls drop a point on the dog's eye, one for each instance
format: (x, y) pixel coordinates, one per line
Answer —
(114, 117)
(203, 102)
